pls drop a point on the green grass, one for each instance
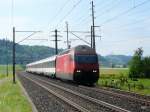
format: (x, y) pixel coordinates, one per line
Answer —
(113, 72)
(2, 76)
(12, 98)
(3, 72)
(118, 78)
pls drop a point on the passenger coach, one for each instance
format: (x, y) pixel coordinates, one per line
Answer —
(79, 64)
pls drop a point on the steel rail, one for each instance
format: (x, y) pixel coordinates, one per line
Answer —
(105, 104)
(118, 94)
(78, 107)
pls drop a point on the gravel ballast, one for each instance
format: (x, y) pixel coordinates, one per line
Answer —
(43, 100)
(115, 100)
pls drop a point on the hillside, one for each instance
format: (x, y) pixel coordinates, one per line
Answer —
(118, 59)
(26, 54)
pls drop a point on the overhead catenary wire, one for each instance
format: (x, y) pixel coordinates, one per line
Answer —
(124, 26)
(27, 37)
(80, 31)
(125, 12)
(110, 8)
(59, 11)
(80, 38)
(69, 12)
(127, 40)
(83, 19)
(104, 4)
(135, 22)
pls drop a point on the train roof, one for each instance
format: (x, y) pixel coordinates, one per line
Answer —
(42, 60)
(84, 49)
(79, 48)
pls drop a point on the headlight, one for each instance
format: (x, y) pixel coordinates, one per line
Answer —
(78, 71)
(94, 71)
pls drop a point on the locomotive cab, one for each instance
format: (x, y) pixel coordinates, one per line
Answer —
(86, 65)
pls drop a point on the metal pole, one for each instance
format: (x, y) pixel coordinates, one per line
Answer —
(14, 81)
(93, 25)
(56, 48)
(6, 58)
(91, 37)
(67, 35)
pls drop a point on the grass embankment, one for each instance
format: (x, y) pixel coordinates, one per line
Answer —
(12, 98)
(118, 78)
(11, 95)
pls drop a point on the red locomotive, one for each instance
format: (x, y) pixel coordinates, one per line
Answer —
(79, 64)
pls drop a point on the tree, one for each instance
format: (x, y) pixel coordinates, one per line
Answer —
(112, 65)
(146, 67)
(124, 66)
(135, 66)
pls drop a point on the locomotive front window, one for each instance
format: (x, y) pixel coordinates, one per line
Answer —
(86, 58)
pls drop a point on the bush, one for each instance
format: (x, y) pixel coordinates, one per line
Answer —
(140, 86)
(123, 79)
(106, 83)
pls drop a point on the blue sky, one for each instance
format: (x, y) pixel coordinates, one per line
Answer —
(122, 32)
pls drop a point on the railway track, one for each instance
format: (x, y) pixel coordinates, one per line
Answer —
(78, 107)
(77, 100)
(121, 100)
(135, 99)
(43, 100)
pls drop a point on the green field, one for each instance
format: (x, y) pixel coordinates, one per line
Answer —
(3, 69)
(118, 78)
(113, 72)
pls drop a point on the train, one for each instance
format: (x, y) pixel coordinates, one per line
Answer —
(78, 64)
